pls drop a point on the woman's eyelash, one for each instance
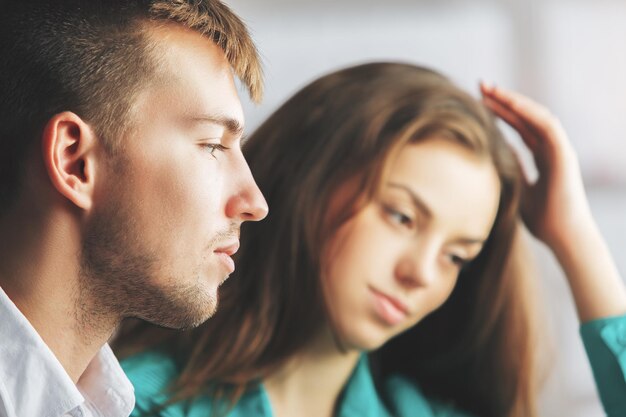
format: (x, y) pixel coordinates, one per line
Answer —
(400, 217)
(459, 261)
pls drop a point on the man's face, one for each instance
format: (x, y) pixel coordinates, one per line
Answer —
(167, 214)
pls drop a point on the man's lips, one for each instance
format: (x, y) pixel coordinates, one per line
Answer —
(228, 249)
(225, 252)
(389, 308)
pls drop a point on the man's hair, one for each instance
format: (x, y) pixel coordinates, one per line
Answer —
(92, 57)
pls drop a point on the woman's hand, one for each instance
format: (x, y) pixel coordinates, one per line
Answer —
(556, 203)
(555, 208)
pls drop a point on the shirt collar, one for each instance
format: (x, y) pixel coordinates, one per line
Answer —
(360, 397)
(106, 386)
(35, 383)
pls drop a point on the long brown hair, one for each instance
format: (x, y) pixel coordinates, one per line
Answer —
(476, 351)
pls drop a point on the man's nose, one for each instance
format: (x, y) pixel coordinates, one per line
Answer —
(246, 203)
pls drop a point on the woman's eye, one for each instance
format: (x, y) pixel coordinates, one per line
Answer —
(398, 217)
(459, 261)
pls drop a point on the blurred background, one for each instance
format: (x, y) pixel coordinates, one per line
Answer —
(567, 54)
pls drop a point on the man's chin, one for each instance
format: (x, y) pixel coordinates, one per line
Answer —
(195, 317)
(182, 312)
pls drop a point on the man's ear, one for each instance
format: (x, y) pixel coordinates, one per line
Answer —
(69, 148)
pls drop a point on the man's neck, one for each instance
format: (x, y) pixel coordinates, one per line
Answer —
(312, 380)
(39, 272)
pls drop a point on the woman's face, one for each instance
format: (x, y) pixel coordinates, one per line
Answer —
(398, 258)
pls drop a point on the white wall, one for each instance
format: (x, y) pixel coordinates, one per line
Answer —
(567, 54)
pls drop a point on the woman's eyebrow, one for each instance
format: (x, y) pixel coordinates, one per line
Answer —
(422, 206)
(418, 202)
(470, 241)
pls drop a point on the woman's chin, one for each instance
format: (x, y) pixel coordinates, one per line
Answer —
(365, 342)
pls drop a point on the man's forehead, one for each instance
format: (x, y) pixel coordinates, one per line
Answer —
(177, 52)
(193, 70)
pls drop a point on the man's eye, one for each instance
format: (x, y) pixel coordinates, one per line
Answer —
(213, 147)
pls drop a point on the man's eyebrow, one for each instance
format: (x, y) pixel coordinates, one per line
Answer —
(423, 207)
(233, 126)
(417, 201)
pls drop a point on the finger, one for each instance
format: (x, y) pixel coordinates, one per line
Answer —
(513, 100)
(550, 132)
(512, 119)
(533, 114)
(529, 138)
(551, 140)
(542, 156)
(505, 107)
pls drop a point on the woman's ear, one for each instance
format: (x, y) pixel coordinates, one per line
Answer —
(68, 148)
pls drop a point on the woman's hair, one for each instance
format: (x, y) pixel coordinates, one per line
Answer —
(475, 352)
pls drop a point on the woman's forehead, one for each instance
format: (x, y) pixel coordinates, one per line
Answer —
(455, 185)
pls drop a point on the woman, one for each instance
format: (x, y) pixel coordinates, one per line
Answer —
(378, 285)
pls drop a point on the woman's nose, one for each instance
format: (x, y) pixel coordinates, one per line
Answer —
(417, 267)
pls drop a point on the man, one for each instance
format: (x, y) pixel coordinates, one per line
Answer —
(122, 185)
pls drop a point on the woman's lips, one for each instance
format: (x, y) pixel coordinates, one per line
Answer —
(391, 310)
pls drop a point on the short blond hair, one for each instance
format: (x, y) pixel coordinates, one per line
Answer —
(218, 22)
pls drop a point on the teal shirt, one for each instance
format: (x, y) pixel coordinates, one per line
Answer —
(605, 343)
(151, 373)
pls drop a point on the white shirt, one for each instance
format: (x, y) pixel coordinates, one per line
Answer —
(33, 383)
